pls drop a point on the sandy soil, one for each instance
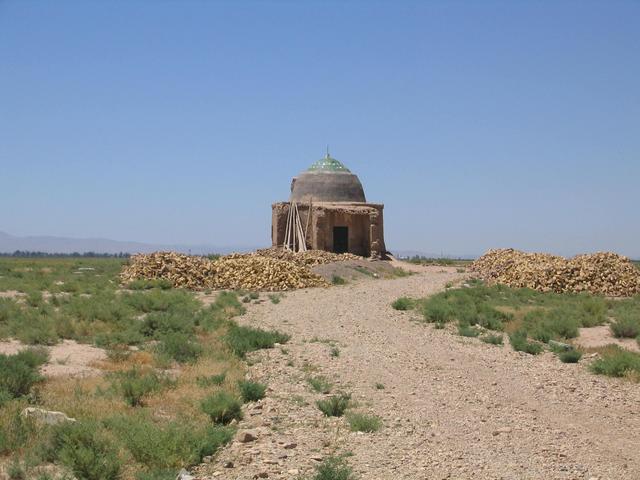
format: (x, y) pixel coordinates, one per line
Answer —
(600, 336)
(452, 407)
(68, 358)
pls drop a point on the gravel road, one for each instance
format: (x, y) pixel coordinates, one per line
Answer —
(452, 407)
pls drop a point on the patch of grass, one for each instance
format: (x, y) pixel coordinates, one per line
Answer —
(251, 391)
(19, 372)
(334, 468)
(468, 331)
(275, 298)
(334, 352)
(211, 380)
(338, 280)
(320, 384)
(360, 422)
(403, 303)
(520, 343)
(171, 445)
(134, 384)
(570, 356)
(617, 362)
(379, 386)
(626, 326)
(222, 407)
(243, 340)
(335, 405)
(84, 448)
(492, 339)
(181, 347)
(142, 284)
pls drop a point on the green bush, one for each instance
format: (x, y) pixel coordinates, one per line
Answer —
(468, 331)
(570, 356)
(360, 422)
(403, 303)
(86, 451)
(275, 298)
(545, 325)
(626, 326)
(492, 339)
(320, 384)
(19, 372)
(335, 405)
(334, 468)
(166, 445)
(142, 284)
(222, 407)
(162, 474)
(337, 280)
(617, 362)
(134, 385)
(181, 347)
(211, 380)
(16, 431)
(251, 391)
(438, 310)
(243, 340)
(520, 343)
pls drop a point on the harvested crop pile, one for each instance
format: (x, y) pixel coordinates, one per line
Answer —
(602, 273)
(252, 272)
(308, 258)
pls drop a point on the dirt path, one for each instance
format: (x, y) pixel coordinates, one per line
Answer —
(452, 407)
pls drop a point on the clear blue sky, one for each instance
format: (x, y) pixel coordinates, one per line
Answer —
(478, 124)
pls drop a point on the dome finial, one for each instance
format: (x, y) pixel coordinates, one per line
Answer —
(328, 156)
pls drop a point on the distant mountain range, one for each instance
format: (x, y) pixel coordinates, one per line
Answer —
(48, 244)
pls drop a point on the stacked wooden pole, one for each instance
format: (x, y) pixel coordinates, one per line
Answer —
(294, 236)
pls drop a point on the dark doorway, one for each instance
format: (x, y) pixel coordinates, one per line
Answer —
(340, 239)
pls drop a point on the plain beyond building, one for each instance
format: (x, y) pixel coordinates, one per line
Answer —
(333, 211)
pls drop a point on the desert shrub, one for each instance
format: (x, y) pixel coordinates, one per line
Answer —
(626, 326)
(379, 386)
(161, 301)
(519, 342)
(591, 310)
(15, 471)
(161, 474)
(35, 328)
(570, 356)
(143, 284)
(334, 468)
(167, 445)
(360, 422)
(335, 405)
(545, 325)
(438, 310)
(181, 347)
(16, 431)
(243, 340)
(468, 331)
(403, 303)
(617, 362)
(222, 407)
(134, 385)
(254, 295)
(320, 384)
(251, 391)
(275, 298)
(492, 339)
(334, 352)
(84, 448)
(337, 280)
(159, 323)
(211, 380)
(19, 372)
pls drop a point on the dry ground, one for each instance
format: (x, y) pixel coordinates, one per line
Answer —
(452, 407)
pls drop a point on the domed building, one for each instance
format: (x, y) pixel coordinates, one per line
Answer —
(333, 212)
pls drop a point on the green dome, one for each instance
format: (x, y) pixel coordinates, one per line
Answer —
(328, 164)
